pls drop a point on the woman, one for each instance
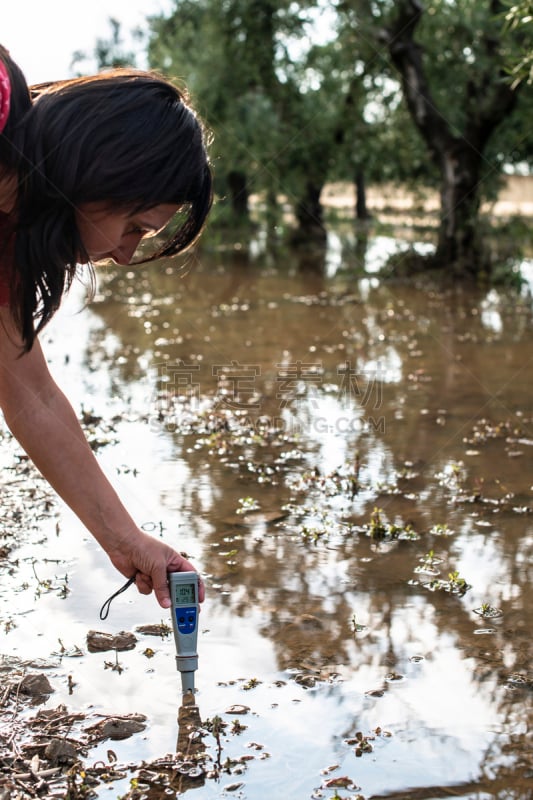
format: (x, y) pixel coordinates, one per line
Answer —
(88, 167)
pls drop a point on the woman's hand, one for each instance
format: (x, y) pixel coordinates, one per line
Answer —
(150, 560)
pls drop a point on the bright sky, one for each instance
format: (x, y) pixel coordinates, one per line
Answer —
(42, 35)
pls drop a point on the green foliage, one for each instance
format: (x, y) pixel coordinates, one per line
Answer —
(297, 93)
(107, 52)
(467, 51)
(519, 21)
(228, 53)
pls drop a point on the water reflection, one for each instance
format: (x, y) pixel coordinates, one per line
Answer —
(190, 747)
(342, 455)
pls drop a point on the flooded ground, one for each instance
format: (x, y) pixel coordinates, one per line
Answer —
(349, 464)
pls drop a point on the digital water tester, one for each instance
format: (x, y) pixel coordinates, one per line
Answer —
(185, 610)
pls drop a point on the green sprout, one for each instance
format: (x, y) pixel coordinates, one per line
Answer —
(377, 528)
(247, 504)
(356, 626)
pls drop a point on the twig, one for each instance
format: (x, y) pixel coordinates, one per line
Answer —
(42, 773)
(5, 696)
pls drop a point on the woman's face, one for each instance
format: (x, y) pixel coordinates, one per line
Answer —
(108, 233)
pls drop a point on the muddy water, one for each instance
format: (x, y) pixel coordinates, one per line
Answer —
(349, 464)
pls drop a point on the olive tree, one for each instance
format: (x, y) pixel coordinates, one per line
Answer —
(457, 93)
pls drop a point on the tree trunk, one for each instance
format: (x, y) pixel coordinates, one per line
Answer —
(361, 210)
(460, 245)
(238, 191)
(488, 100)
(351, 123)
(310, 216)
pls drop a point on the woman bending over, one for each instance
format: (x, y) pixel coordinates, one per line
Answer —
(88, 167)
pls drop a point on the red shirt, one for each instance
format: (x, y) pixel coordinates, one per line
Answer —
(7, 244)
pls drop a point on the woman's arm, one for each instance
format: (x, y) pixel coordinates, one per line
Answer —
(44, 423)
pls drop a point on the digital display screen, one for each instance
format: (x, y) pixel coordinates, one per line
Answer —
(184, 594)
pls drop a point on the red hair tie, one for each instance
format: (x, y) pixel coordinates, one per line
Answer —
(5, 95)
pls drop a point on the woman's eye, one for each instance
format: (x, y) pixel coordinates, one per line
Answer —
(144, 233)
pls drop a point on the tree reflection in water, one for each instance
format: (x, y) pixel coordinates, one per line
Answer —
(433, 429)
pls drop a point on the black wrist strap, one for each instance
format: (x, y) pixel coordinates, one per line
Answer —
(104, 611)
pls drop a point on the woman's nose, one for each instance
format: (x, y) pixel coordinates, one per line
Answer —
(124, 252)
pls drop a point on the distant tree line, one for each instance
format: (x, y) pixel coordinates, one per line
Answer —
(300, 93)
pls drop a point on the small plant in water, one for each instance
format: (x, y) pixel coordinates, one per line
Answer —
(363, 744)
(251, 683)
(247, 504)
(237, 727)
(376, 527)
(429, 563)
(116, 667)
(454, 585)
(356, 626)
(440, 530)
(379, 529)
(455, 581)
(312, 534)
(337, 796)
(487, 611)
(78, 783)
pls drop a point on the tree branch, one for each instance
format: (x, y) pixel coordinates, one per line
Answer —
(406, 56)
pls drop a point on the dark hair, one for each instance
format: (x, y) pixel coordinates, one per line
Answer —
(126, 137)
